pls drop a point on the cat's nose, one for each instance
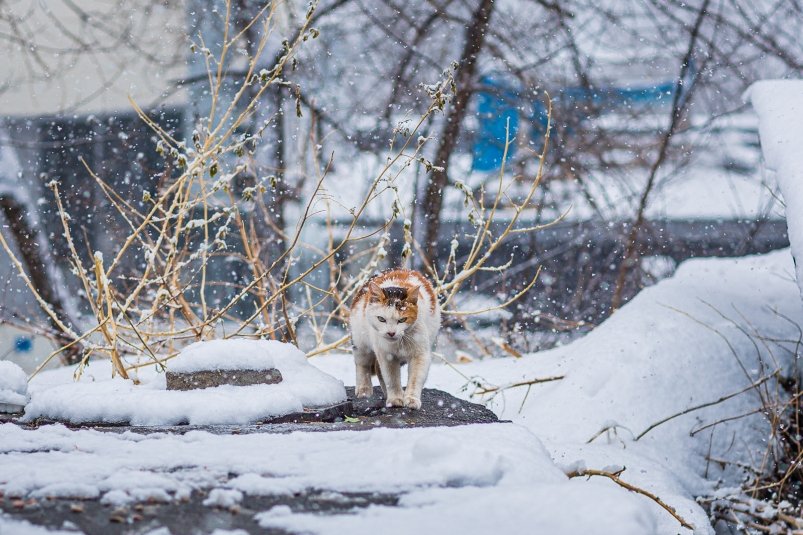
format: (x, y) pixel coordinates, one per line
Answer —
(392, 334)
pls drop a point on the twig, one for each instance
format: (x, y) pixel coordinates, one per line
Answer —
(481, 391)
(614, 476)
(707, 404)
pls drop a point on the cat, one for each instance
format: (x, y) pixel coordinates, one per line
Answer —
(394, 320)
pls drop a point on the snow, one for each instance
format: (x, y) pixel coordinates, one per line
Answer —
(13, 386)
(471, 476)
(235, 354)
(13, 526)
(662, 353)
(779, 105)
(714, 180)
(385, 460)
(223, 498)
(570, 508)
(96, 398)
(14, 186)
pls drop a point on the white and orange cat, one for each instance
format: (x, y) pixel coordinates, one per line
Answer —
(395, 319)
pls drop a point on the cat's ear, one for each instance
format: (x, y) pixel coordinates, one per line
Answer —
(375, 290)
(413, 293)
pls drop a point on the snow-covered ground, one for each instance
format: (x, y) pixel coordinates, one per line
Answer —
(469, 477)
(685, 342)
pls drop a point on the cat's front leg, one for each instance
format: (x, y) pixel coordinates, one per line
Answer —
(364, 361)
(416, 377)
(390, 369)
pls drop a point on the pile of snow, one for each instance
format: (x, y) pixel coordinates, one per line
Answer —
(779, 105)
(690, 340)
(235, 354)
(13, 387)
(457, 477)
(97, 398)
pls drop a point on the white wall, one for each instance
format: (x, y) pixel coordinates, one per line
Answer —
(84, 66)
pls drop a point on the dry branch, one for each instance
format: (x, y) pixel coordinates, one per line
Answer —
(751, 386)
(614, 476)
(490, 389)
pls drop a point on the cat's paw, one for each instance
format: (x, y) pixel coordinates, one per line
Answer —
(395, 402)
(412, 402)
(364, 391)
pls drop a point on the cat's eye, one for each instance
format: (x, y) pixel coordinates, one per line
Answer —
(381, 319)
(402, 320)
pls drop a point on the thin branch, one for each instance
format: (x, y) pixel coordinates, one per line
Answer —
(614, 476)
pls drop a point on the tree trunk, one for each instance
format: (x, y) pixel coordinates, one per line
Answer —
(439, 177)
(28, 242)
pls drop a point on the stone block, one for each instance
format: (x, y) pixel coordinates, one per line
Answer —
(210, 378)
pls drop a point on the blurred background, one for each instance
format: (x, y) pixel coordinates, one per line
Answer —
(653, 155)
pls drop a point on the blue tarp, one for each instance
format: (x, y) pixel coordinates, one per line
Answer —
(497, 110)
(500, 100)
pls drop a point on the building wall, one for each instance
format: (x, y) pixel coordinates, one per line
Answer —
(89, 56)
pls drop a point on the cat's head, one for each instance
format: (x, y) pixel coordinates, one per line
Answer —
(392, 310)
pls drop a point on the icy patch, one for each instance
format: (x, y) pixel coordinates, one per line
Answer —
(13, 387)
(55, 396)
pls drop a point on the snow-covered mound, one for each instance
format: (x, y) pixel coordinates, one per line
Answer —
(779, 105)
(702, 335)
(13, 387)
(235, 354)
(96, 398)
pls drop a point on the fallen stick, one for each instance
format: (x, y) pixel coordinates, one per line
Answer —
(614, 476)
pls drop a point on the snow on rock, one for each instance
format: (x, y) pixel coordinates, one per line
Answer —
(235, 354)
(13, 387)
(96, 398)
(779, 105)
